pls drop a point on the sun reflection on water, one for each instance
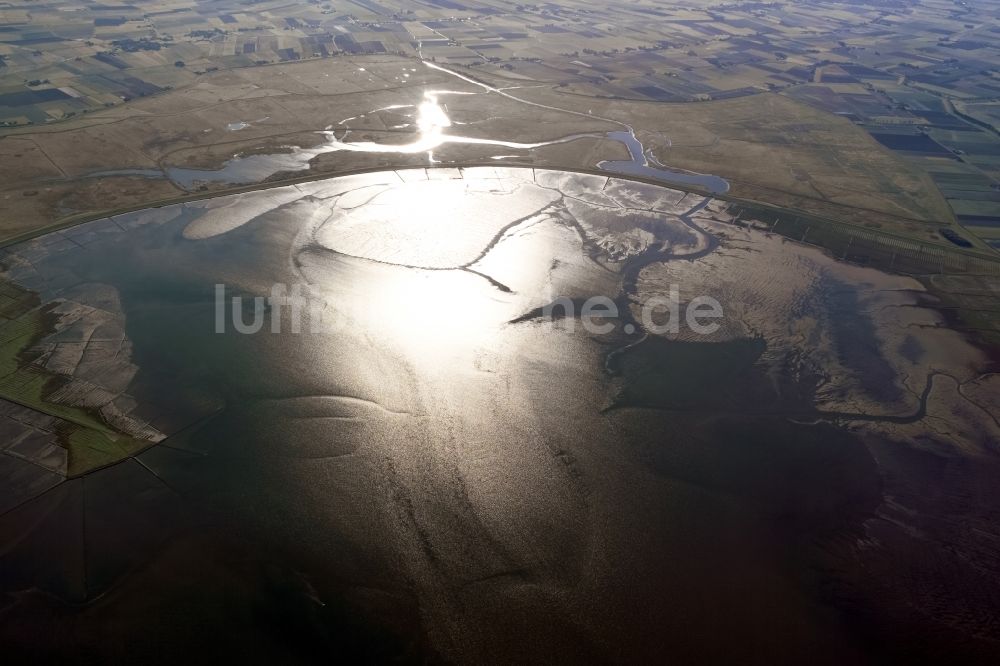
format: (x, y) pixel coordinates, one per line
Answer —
(416, 247)
(431, 120)
(435, 316)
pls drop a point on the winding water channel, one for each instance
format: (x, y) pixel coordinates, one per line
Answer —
(431, 123)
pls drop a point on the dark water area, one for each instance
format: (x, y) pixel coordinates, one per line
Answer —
(856, 341)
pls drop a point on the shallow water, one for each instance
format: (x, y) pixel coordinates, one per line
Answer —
(257, 168)
(639, 165)
(243, 170)
(425, 461)
(430, 123)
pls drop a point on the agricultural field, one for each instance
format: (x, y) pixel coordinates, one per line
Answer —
(81, 57)
(291, 297)
(929, 130)
(118, 158)
(920, 79)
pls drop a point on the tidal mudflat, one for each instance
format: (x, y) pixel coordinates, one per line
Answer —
(447, 474)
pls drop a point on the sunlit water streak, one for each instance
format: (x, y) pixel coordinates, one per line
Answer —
(432, 122)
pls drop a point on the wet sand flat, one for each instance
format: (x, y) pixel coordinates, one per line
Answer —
(427, 468)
